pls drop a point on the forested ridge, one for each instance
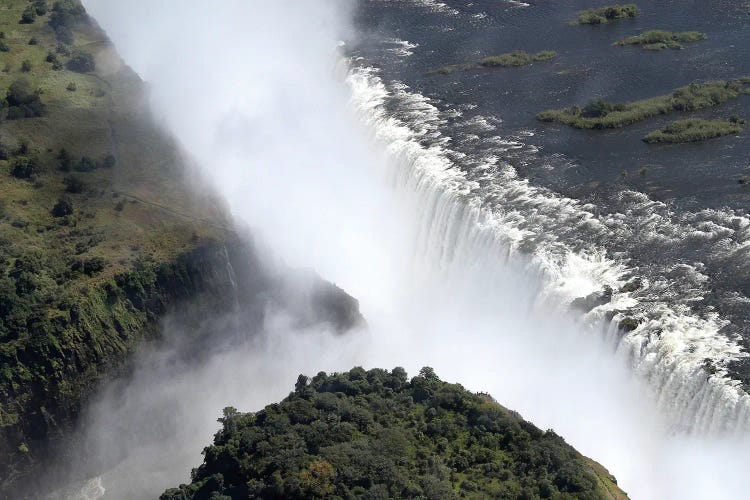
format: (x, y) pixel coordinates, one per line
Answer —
(376, 434)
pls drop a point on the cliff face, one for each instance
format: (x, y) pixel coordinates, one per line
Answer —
(101, 231)
(377, 434)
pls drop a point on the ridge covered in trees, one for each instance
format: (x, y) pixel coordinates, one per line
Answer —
(376, 434)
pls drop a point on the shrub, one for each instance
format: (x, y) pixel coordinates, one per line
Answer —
(4, 46)
(26, 66)
(85, 164)
(22, 101)
(65, 14)
(65, 160)
(26, 168)
(72, 87)
(63, 207)
(28, 16)
(62, 49)
(33, 41)
(74, 185)
(108, 161)
(40, 7)
(81, 62)
(22, 148)
(90, 266)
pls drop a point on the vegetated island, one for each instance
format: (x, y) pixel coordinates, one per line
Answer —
(695, 130)
(660, 39)
(601, 114)
(514, 59)
(607, 14)
(377, 434)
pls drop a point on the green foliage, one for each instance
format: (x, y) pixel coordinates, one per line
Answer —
(604, 15)
(87, 164)
(660, 39)
(375, 434)
(26, 168)
(28, 16)
(508, 60)
(694, 130)
(40, 7)
(22, 101)
(4, 46)
(81, 62)
(74, 185)
(600, 114)
(63, 207)
(65, 15)
(517, 58)
(26, 66)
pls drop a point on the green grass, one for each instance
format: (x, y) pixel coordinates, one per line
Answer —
(514, 59)
(660, 39)
(607, 14)
(601, 114)
(694, 130)
(377, 434)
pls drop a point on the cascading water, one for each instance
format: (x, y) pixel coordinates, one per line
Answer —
(240, 334)
(472, 274)
(454, 224)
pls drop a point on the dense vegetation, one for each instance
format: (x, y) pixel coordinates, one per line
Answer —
(85, 270)
(604, 15)
(601, 114)
(660, 39)
(695, 129)
(516, 59)
(377, 435)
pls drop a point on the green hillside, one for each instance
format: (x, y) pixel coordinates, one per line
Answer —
(97, 221)
(376, 434)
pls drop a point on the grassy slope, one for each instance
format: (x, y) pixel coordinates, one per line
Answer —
(376, 434)
(64, 329)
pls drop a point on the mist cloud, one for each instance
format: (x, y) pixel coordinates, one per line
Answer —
(253, 92)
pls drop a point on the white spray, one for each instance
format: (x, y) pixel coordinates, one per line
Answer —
(252, 92)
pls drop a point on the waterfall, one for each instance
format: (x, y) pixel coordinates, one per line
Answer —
(457, 229)
(239, 332)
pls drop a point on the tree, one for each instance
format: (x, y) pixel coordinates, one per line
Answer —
(23, 102)
(40, 7)
(63, 207)
(28, 16)
(25, 168)
(317, 479)
(81, 62)
(74, 185)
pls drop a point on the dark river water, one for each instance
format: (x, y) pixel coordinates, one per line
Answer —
(675, 215)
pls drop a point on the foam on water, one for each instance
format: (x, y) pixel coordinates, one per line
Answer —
(683, 356)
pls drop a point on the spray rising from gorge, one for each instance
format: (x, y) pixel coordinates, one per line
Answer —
(303, 148)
